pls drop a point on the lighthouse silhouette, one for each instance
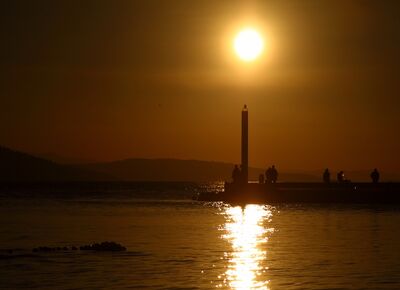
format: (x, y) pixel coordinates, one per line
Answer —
(245, 144)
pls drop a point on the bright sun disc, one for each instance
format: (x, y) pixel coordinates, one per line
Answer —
(248, 44)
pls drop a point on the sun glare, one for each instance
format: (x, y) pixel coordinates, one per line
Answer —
(248, 44)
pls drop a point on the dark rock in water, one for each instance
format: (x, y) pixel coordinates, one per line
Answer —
(46, 249)
(10, 251)
(100, 247)
(104, 247)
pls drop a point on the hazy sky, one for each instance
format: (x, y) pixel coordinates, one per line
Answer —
(105, 80)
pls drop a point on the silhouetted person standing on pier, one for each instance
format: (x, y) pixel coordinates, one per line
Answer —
(375, 176)
(340, 177)
(236, 174)
(326, 176)
(271, 175)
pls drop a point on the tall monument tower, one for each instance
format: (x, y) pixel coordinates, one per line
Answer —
(245, 144)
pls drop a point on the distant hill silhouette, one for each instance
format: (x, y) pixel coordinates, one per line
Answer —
(179, 170)
(17, 167)
(64, 160)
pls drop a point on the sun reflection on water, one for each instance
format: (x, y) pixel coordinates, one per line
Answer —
(245, 231)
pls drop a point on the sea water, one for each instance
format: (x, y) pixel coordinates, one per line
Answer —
(175, 243)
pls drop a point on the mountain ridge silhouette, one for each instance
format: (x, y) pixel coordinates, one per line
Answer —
(16, 166)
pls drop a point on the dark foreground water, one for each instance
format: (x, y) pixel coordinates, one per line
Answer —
(180, 244)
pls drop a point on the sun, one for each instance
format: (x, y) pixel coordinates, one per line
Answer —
(248, 44)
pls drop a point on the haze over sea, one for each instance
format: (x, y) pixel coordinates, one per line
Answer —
(176, 243)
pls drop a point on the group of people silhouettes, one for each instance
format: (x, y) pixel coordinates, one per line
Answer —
(326, 176)
(271, 176)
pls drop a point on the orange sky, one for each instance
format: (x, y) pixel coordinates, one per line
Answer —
(103, 80)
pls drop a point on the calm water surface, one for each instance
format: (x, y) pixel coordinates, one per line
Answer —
(180, 244)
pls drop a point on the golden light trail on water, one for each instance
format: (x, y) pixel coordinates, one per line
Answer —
(246, 233)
